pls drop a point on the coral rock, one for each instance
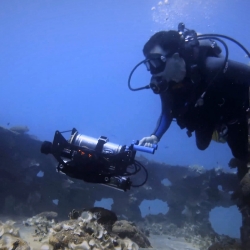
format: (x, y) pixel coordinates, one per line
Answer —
(9, 241)
(126, 229)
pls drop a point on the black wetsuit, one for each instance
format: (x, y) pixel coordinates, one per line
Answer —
(225, 102)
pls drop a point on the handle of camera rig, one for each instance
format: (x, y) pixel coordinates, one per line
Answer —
(144, 149)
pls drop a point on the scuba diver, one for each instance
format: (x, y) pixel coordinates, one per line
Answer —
(206, 93)
(199, 88)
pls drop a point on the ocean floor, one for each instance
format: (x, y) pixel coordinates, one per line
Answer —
(157, 241)
(160, 242)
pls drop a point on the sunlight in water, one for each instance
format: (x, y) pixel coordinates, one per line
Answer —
(168, 11)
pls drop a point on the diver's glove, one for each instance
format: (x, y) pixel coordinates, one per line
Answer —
(148, 141)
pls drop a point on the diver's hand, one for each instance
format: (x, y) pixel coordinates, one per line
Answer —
(148, 141)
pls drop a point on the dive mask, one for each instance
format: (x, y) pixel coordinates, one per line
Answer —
(155, 63)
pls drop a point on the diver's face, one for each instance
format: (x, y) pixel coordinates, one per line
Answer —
(175, 66)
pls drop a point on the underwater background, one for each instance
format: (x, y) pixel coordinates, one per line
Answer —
(66, 64)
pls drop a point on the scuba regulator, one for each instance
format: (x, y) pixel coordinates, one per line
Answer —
(97, 160)
(190, 42)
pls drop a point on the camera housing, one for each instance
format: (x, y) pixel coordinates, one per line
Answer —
(96, 160)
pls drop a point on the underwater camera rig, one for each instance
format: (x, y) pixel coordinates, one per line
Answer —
(96, 160)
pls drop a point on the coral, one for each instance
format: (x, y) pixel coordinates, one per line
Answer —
(197, 169)
(130, 245)
(46, 246)
(48, 215)
(9, 237)
(7, 227)
(105, 219)
(104, 216)
(9, 241)
(41, 223)
(42, 220)
(86, 233)
(127, 229)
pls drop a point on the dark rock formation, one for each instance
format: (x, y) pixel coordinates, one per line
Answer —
(128, 229)
(103, 216)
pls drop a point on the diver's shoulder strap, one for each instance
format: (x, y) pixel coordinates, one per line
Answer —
(196, 61)
(209, 47)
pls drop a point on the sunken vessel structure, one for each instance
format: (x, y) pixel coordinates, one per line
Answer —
(58, 212)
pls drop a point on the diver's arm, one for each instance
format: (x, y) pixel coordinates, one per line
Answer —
(165, 118)
(238, 73)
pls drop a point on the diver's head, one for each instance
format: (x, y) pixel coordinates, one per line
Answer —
(163, 59)
(169, 41)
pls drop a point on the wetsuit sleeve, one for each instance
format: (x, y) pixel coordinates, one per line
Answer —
(238, 73)
(165, 118)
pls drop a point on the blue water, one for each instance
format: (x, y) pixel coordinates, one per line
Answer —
(65, 64)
